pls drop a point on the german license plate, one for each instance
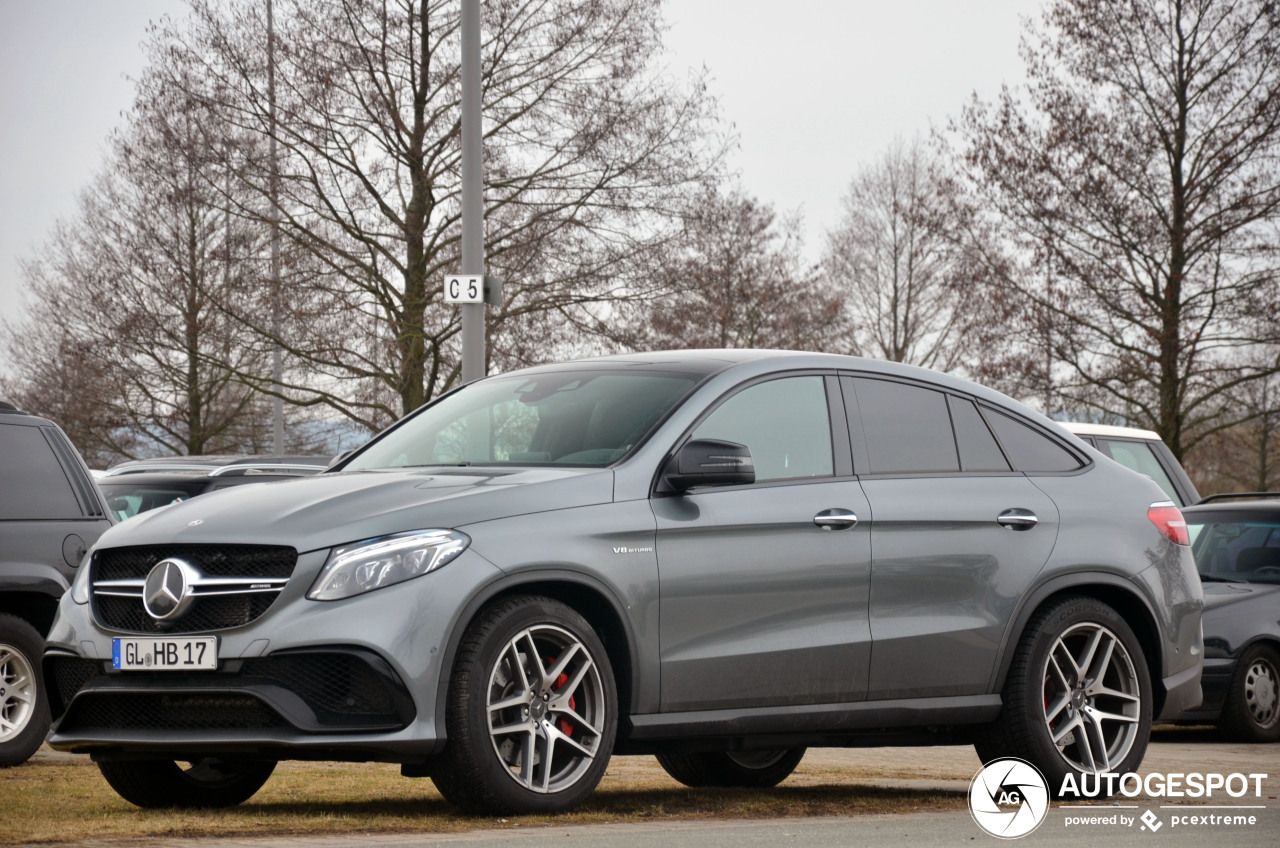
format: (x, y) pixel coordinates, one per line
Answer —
(161, 654)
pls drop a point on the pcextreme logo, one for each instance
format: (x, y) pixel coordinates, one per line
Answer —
(1008, 798)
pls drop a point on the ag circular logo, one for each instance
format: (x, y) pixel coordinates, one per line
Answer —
(167, 592)
(1008, 798)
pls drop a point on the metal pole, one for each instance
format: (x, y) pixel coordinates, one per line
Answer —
(473, 343)
(277, 355)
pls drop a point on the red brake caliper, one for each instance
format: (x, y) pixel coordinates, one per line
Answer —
(565, 727)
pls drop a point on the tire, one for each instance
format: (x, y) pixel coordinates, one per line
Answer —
(207, 783)
(1252, 709)
(522, 736)
(24, 706)
(747, 769)
(1101, 726)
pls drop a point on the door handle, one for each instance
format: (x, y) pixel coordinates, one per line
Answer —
(1017, 519)
(835, 519)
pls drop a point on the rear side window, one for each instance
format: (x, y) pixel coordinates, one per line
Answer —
(1139, 457)
(32, 483)
(1027, 449)
(784, 422)
(907, 428)
(978, 448)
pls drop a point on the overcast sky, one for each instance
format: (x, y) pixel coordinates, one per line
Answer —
(814, 88)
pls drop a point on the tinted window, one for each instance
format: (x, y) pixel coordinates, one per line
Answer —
(978, 448)
(1240, 547)
(1139, 457)
(32, 483)
(907, 428)
(784, 422)
(127, 500)
(1027, 449)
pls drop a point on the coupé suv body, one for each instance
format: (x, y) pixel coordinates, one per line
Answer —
(717, 557)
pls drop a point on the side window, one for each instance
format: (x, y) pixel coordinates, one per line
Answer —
(1139, 457)
(978, 448)
(784, 422)
(32, 483)
(1027, 449)
(907, 428)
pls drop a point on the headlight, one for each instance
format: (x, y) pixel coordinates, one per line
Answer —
(80, 585)
(364, 566)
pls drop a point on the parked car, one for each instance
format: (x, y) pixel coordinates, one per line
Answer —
(1143, 451)
(1236, 543)
(145, 484)
(50, 513)
(668, 553)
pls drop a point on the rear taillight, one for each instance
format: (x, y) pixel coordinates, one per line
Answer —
(1168, 520)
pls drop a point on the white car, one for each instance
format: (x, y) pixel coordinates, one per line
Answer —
(1144, 452)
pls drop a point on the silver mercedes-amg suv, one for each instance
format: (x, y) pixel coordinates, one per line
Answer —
(717, 557)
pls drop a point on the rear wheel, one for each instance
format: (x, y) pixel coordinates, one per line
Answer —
(24, 709)
(751, 769)
(1078, 696)
(1252, 710)
(204, 783)
(532, 711)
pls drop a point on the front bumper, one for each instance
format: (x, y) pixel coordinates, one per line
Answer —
(356, 679)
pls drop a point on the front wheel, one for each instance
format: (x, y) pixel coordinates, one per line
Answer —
(1252, 710)
(750, 769)
(532, 711)
(1078, 696)
(24, 709)
(204, 783)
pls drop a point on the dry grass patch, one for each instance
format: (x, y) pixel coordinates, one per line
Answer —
(67, 800)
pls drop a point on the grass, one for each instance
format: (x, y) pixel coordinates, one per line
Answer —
(66, 800)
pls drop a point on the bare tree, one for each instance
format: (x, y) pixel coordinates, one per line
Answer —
(898, 257)
(122, 330)
(588, 148)
(1139, 164)
(735, 279)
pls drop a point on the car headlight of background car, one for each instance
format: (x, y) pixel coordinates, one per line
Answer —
(374, 563)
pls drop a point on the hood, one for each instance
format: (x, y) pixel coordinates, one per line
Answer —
(308, 513)
(1225, 594)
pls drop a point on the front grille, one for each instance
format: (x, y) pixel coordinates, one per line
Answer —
(178, 711)
(118, 575)
(347, 689)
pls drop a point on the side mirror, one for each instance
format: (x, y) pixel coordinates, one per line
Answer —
(710, 462)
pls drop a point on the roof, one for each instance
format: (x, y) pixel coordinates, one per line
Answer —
(1084, 428)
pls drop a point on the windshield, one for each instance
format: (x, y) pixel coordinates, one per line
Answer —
(570, 418)
(1240, 549)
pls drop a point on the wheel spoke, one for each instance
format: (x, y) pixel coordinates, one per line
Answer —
(517, 700)
(507, 729)
(1051, 712)
(1097, 740)
(1102, 716)
(1100, 691)
(1076, 672)
(526, 758)
(1097, 671)
(1086, 661)
(548, 749)
(515, 663)
(1061, 732)
(571, 742)
(535, 661)
(562, 662)
(578, 720)
(566, 691)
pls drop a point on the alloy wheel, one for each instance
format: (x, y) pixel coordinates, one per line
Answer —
(546, 708)
(17, 692)
(1092, 700)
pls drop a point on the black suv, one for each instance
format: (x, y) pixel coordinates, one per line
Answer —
(50, 514)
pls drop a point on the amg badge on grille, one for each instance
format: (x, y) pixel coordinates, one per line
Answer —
(168, 590)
